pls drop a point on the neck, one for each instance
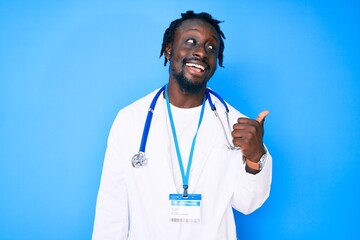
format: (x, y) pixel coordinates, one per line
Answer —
(183, 99)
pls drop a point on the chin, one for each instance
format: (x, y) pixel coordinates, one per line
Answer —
(188, 85)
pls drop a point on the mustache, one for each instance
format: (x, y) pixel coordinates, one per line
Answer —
(185, 60)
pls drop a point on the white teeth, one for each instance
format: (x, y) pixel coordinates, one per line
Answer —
(195, 65)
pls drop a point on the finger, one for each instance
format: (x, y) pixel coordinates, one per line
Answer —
(242, 125)
(244, 120)
(261, 117)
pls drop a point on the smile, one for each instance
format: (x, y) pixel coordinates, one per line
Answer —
(196, 66)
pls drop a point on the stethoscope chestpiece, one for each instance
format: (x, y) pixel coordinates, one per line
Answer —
(139, 160)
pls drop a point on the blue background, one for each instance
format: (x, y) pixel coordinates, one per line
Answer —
(67, 67)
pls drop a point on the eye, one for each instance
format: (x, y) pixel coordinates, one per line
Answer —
(191, 41)
(211, 48)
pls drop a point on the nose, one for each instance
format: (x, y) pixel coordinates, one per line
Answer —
(200, 52)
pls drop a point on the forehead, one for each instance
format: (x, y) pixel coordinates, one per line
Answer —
(197, 26)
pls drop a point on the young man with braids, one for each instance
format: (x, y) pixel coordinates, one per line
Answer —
(196, 170)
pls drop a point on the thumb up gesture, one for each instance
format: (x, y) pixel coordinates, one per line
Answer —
(248, 136)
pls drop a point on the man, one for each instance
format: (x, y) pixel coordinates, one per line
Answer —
(193, 175)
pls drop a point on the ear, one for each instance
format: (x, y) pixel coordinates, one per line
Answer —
(168, 51)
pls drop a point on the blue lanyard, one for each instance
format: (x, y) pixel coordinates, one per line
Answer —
(185, 176)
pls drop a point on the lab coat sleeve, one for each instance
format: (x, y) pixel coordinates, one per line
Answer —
(252, 190)
(111, 218)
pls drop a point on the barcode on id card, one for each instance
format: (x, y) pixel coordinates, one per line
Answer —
(189, 220)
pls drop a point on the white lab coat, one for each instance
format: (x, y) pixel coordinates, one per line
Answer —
(133, 203)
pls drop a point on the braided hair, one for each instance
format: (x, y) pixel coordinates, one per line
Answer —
(170, 31)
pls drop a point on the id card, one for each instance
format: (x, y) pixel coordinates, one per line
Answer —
(185, 209)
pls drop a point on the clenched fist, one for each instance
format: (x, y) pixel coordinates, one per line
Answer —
(248, 136)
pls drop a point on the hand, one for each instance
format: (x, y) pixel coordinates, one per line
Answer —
(248, 136)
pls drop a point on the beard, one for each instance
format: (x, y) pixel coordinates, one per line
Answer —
(185, 84)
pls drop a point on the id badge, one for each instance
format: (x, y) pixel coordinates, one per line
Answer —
(185, 209)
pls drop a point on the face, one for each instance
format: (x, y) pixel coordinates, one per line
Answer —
(193, 55)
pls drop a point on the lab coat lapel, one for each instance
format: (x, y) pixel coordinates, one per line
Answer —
(208, 134)
(160, 146)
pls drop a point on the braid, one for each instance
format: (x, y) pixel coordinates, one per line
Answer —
(170, 31)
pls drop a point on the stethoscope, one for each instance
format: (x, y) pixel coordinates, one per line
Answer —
(139, 159)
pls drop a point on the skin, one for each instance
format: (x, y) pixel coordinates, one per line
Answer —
(248, 135)
(196, 41)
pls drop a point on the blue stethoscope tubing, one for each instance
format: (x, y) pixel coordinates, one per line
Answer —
(140, 159)
(148, 120)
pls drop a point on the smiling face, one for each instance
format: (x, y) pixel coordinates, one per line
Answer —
(193, 55)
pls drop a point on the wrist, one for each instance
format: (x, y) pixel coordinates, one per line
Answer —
(255, 165)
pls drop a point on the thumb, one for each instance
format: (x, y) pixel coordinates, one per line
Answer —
(261, 117)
